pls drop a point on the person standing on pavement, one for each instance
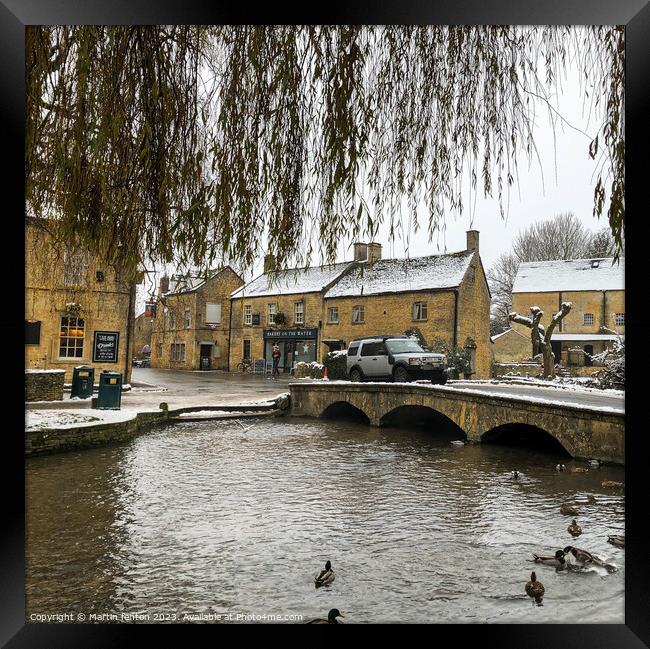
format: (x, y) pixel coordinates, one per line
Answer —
(276, 360)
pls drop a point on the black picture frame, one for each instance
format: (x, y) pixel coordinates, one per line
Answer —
(635, 14)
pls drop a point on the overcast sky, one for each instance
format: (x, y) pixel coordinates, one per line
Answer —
(570, 189)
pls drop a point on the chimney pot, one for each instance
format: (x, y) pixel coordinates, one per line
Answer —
(374, 252)
(360, 251)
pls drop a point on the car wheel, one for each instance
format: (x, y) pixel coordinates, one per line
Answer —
(355, 375)
(401, 375)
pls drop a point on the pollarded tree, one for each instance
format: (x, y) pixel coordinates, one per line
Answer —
(541, 338)
(223, 142)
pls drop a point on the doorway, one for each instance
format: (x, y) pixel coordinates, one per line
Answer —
(589, 352)
(206, 357)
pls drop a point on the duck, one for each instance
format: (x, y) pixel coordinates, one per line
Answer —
(515, 474)
(326, 576)
(574, 529)
(582, 556)
(457, 442)
(558, 561)
(618, 541)
(535, 588)
(595, 463)
(579, 469)
(331, 618)
(569, 510)
(611, 483)
(560, 467)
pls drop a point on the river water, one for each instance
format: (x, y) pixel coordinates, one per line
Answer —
(204, 519)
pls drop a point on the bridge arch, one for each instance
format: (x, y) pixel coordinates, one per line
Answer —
(345, 410)
(526, 436)
(422, 416)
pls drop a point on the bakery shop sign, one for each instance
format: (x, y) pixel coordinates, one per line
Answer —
(105, 346)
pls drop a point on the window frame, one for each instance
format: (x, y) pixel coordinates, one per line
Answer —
(424, 307)
(248, 315)
(69, 326)
(587, 319)
(329, 317)
(208, 321)
(359, 309)
(270, 315)
(187, 319)
(177, 352)
(619, 319)
(297, 312)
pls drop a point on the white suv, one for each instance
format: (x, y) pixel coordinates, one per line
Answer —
(399, 358)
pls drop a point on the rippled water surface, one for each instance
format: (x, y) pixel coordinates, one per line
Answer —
(208, 518)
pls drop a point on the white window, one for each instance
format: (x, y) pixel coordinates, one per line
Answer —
(358, 314)
(271, 310)
(172, 319)
(333, 315)
(420, 311)
(248, 314)
(178, 352)
(212, 313)
(619, 318)
(299, 313)
(187, 319)
(588, 319)
(71, 337)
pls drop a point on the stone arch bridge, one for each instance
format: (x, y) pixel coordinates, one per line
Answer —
(583, 432)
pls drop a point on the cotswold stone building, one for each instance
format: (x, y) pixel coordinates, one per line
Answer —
(596, 289)
(78, 310)
(311, 312)
(191, 327)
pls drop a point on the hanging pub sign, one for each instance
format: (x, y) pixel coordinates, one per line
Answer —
(105, 346)
(150, 309)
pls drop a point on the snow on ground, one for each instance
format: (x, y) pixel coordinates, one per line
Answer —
(211, 413)
(63, 419)
(575, 384)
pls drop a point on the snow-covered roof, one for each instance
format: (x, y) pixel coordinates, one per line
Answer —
(597, 274)
(403, 275)
(288, 282)
(586, 337)
(507, 331)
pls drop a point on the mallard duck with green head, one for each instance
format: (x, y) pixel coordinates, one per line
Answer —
(535, 589)
(331, 617)
(325, 576)
(558, 561)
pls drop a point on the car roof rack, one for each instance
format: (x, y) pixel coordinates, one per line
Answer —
(378, 337)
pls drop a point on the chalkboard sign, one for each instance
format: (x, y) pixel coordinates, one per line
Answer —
(259, 366)
(105, 346)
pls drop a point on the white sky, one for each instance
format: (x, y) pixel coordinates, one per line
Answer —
(568, 190)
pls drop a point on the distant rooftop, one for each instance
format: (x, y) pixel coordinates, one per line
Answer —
(288, 282)
(435, 272)
(597, 274)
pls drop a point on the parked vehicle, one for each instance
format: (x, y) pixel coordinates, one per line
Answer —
(141, 362)
(395, 357)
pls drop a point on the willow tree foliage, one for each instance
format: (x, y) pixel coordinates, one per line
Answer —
(210, 143)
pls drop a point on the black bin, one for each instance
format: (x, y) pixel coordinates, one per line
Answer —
(82, 382)
(109, 396)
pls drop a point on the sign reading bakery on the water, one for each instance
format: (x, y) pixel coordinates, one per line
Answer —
(105, 346)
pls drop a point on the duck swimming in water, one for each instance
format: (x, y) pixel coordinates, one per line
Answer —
(331, 618)
(618, 541)
(325, 577)
(584, 557)
(535, 589)
(568, 510)
(515, 474)
(558, 561)
(560, 467)
(574, 529)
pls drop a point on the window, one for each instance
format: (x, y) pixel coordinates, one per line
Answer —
(165, 318)
(212, 313)
(619, 318)
(172, 320)
(358, 314)
(353, 349)
(248, 314)
(375, 348)
(178, 352)
(32, 332)
(187, 319)
(588, 319)
(299, 313)
(420, 311)
(333, 315)
(271, 310)
(71, 339)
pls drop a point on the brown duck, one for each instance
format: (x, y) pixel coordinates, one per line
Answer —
(535, 588)
(574, 529)
(618, 541)
(568, 510)
(582, 556)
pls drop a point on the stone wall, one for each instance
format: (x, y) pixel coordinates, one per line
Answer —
(46, 385)
(511, 345)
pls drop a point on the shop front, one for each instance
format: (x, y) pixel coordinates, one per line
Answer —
(296, 345)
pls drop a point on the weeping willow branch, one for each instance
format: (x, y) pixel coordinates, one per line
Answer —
(215, 143)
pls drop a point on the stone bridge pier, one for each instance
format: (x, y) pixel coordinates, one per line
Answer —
(584, 433)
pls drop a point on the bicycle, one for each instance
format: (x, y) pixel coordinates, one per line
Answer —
(246, 365)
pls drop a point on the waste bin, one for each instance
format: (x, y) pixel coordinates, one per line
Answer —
(109, 396)
(82, 382)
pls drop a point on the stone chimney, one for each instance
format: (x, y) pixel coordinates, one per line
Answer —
(472, 240)
(269, 263)
(374, 252)
(164, 285)
(360, 252)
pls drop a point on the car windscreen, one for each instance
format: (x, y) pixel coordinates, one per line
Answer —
(402, 346)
